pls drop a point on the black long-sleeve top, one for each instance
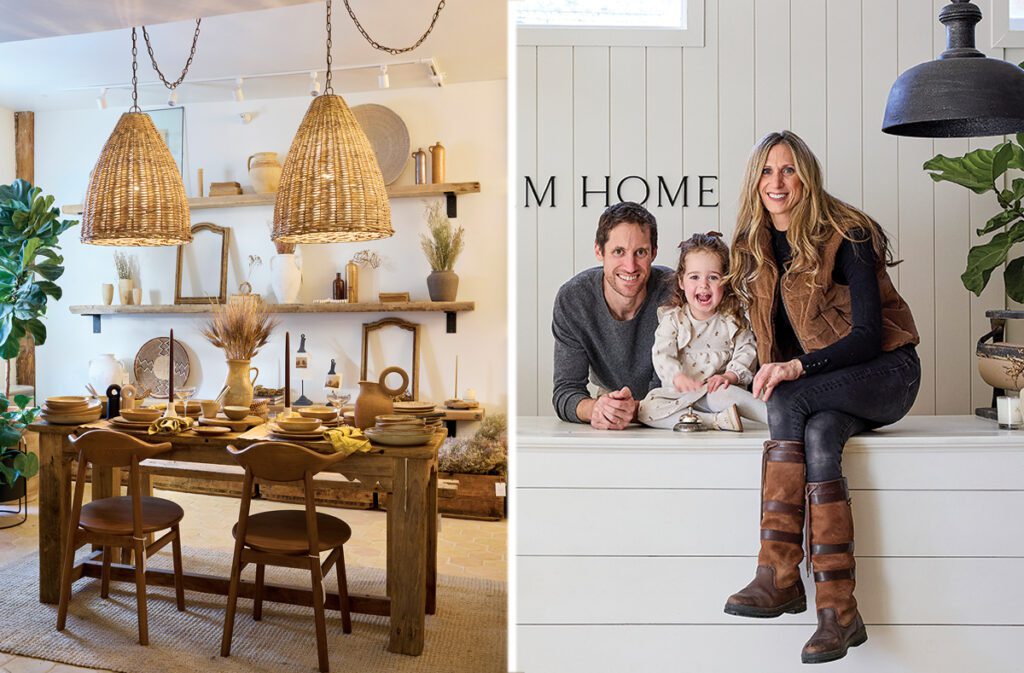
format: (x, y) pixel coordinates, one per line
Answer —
(855, 268)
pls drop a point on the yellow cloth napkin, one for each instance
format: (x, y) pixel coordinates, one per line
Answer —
(169, 426)
(347, 440)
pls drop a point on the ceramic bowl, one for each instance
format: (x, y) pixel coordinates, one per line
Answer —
(67, 403)
(319, 412)
(140, 414)
(236, 413)
(299, 424)
(398, 419)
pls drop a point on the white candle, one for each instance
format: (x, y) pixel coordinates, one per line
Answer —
(1008, 411)
(470, 395)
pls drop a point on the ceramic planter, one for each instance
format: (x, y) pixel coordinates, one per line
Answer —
(443, 285)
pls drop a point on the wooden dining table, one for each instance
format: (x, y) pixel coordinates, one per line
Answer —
(407, 474)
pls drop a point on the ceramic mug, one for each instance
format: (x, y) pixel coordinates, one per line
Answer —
(210, 408)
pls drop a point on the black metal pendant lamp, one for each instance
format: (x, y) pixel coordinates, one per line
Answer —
(962, 93)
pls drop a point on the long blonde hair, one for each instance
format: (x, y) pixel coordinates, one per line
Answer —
(812, 221)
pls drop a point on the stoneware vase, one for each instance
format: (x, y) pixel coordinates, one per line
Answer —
(375, 398)
(286, 277)
(137, 296)
(124, 291)
(443, 285)
(105, 370)
(108, 293)
(240, 383)
(265, 172)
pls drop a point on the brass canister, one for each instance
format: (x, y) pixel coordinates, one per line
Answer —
(419, 158)
(352, 279)
(437, 163)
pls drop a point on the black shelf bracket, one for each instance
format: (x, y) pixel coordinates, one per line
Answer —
(451, 203)
(450, 322)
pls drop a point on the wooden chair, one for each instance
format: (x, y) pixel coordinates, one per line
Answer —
(290, 538)
(120, 521)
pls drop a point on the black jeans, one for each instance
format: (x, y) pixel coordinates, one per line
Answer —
(824, 410)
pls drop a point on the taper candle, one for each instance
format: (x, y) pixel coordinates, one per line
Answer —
(287, 372)
(170, 372)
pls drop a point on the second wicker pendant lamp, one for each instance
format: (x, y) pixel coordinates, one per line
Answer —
(331, 190)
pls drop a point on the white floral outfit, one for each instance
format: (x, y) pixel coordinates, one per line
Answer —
(700, 349)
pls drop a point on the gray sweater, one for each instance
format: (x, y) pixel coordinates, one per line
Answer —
(592, 345)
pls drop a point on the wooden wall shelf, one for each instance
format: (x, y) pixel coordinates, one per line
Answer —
(450, 308)
(447, 189)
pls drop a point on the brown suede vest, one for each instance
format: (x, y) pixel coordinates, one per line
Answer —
(821, 314)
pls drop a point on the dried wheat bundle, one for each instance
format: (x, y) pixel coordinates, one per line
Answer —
(240, 328)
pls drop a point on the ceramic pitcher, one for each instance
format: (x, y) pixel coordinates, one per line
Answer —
(265, 172)
(239, 383)
(375, 398)
(105, 370)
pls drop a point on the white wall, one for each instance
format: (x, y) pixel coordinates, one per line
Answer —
(822, 69)
(7, 160)
(469, 119)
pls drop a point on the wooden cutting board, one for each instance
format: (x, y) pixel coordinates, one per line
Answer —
(237, 426)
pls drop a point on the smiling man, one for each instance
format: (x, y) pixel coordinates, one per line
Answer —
(604, 321)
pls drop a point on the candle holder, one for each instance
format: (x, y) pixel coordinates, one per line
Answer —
(1008, 412)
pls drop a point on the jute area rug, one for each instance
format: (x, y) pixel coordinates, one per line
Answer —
(467, 635)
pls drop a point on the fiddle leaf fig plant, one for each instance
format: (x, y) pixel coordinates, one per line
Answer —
(982, 171)
(29, 264)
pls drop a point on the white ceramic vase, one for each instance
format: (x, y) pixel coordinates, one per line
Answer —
(286, 277)
(104, 370)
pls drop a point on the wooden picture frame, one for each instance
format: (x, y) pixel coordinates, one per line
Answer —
(369, 328)
(222, 297)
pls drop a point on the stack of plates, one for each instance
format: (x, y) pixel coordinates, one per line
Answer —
(431, 416)
(277, 432)
(123, 424)
(400, 430)
(71, 410)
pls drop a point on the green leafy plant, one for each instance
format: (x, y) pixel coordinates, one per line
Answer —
(445, 242)
(981, 171)
(13, 462)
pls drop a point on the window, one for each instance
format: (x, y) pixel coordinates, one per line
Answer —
(650, 23)
(1007, 23)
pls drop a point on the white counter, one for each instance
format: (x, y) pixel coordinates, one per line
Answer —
(628, 544)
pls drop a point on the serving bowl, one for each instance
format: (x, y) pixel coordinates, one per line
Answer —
(236, 413)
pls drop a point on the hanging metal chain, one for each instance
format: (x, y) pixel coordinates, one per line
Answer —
(328, 89)
(184, 71)
(135, 74)
(393, 50)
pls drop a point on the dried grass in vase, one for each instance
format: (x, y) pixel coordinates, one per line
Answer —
(240, 328)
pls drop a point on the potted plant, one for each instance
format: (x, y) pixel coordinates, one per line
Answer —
(983, 171)
(29, 267)
(442, 247)
(123, 266)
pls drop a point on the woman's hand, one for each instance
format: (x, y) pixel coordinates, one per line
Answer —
(774, 373)
(722, 381)
(685, 384)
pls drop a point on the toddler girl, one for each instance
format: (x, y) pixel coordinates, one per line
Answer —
(704, 352)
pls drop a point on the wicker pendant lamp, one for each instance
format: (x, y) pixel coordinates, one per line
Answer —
(331, 190)
(135, 196)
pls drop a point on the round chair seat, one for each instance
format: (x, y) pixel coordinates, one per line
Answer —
(114, 515)
(283, 531)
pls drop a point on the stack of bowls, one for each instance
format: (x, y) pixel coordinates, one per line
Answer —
(425, 411)
(399, 430)
(327, 415)
(71, 410)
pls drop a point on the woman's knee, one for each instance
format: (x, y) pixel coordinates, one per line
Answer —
(824, 437)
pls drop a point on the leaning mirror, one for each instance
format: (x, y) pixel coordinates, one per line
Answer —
(196, 279)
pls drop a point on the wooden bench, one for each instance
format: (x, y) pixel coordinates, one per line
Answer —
(630, 542)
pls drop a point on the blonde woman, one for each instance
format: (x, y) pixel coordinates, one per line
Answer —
(836, 344)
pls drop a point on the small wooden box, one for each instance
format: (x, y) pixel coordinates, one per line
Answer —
(225, 188)
(392, 297)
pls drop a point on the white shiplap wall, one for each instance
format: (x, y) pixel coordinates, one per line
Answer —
(822, 68)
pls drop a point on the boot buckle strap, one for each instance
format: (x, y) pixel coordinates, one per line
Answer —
(833, 575)
(783, 507)
(781, 536)
(844, 548)
(784, 456)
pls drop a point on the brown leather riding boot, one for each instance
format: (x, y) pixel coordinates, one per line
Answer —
(777, 587)
(830, 526)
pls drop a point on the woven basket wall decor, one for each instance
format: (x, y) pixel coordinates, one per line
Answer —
(331, 187)
(135, 196)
